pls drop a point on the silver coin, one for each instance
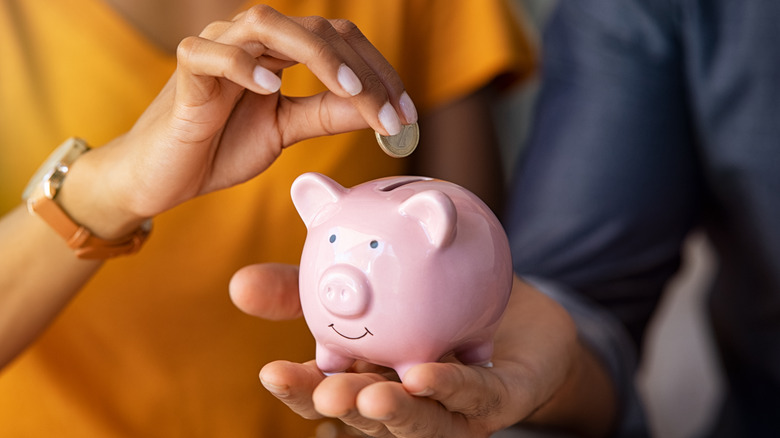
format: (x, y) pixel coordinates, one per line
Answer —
(402, 144)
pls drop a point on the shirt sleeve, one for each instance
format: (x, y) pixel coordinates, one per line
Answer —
(607, 188)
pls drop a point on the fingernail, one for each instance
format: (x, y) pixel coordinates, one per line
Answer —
(389, 119)
(387, 417)
(349, 80)
(277, 390)
(427, 392)
(408, 108)
(266, 79)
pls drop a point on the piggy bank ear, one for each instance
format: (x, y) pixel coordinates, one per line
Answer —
(312, 194)
(436, 214)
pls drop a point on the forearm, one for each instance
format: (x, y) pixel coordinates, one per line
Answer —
(41, 273)
(38, 277)
(583, 400)
(586, 403)
(459, 144)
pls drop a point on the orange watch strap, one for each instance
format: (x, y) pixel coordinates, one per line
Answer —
(80, 239)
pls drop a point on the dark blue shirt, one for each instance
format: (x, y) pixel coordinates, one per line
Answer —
(656, 118)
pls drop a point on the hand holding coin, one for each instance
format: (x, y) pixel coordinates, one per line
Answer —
(402, 144)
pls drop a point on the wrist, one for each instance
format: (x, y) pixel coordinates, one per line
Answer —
(83, 198)
(584, 403)
(87, 195)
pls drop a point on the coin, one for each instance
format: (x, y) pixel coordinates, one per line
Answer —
(402, 144)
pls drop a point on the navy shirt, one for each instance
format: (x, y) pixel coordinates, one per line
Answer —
(655, 118)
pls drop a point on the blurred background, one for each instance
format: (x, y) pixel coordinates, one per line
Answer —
(679, 378)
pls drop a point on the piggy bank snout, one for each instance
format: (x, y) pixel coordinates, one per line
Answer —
(344, 291)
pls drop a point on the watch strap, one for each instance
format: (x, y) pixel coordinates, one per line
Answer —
(80, 239)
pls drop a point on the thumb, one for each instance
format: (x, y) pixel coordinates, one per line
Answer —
(268, 290)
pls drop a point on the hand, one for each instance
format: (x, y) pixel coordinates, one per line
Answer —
(220, 120)
(539, 373)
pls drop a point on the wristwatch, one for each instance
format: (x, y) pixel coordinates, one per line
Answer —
(40, 196)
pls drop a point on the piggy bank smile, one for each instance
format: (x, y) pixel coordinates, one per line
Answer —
(354, 338)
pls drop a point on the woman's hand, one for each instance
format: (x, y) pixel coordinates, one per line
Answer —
(541, 375)
(221, 120)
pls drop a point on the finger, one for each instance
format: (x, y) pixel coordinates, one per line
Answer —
(367, 367)
(407, 416)
(476, 392)
(460, 388)
(325, 113)
(293, 384)
(200, 60)
(358, 77)
(262, 26)
(266, 58)
(336, 397)
(380, 67)
(214, 29)
(267, 291)
(314, 42)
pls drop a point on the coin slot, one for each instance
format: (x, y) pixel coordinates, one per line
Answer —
(404, 182)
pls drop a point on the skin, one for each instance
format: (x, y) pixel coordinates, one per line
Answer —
(211, 127)
(542, 375)
(459, 140)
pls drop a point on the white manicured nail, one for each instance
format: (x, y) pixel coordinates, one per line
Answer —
(349, 80)
(408, 108)
(266, 79)
(389, 119)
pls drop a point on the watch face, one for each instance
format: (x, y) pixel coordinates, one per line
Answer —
(66, 153)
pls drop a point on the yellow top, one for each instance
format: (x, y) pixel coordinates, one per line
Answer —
(153, 346)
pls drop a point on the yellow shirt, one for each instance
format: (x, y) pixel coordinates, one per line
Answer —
(152, 346)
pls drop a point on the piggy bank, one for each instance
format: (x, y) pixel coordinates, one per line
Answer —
(400, 271)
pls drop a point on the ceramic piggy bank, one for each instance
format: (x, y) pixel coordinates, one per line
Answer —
(400, 271)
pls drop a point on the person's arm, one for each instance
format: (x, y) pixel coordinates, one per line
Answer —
(459, 144)
(609, 185)
(607, 192)
(38, 276)
(218, 122)
(457, 62)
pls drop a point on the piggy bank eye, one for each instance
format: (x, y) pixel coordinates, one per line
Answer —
(332, 238)
(373, 244)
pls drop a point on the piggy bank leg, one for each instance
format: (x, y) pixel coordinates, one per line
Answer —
(401, 369)
(476, 354)
(332, 362)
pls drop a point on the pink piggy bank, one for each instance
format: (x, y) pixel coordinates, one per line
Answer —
(400, 271)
